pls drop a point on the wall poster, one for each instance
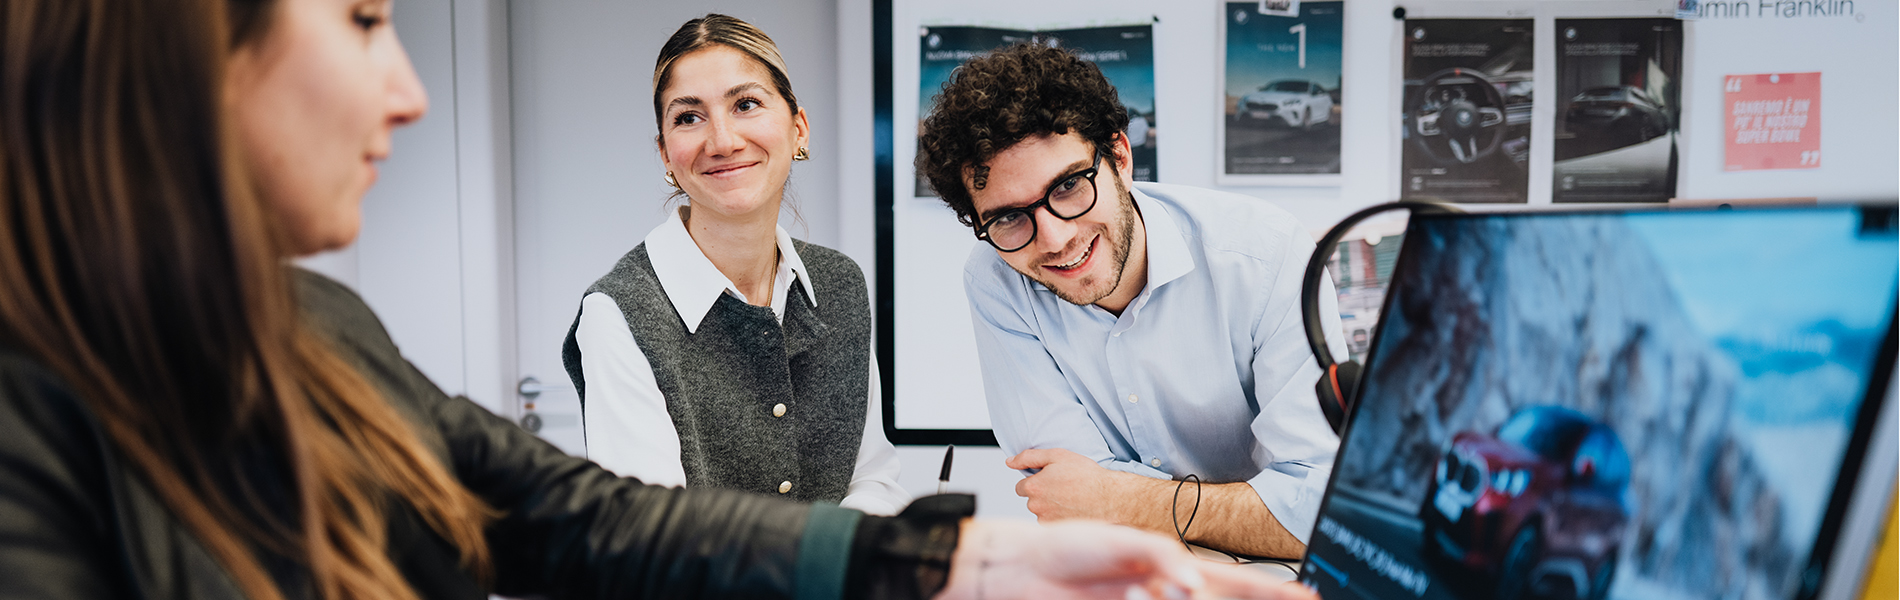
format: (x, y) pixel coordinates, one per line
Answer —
(1774, 121)
(1281, 78)
(1619, 93)
(1466, 119)
(1124, 53)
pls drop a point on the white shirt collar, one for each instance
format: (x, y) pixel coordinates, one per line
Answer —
(1168, 257)
(693, 284)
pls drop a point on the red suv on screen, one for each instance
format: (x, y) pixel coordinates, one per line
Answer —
(1540, 506)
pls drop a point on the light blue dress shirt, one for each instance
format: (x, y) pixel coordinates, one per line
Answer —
(1206, 372)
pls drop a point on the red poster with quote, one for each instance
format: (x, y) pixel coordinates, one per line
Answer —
(1774, 121)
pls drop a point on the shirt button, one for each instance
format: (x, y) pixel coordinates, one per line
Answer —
(785, 487)
(1132, 398)
(778, 410)
(1155, 462)
(1116, 334)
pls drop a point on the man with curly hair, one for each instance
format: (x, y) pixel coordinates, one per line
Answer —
(1129, 334)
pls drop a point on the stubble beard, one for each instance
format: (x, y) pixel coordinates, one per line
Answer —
(1124, 227)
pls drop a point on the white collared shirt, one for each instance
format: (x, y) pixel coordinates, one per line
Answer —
(628, 428)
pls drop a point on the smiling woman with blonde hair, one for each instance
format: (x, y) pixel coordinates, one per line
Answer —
(720, 351)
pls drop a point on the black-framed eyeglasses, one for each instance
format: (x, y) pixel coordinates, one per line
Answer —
(1072, 197)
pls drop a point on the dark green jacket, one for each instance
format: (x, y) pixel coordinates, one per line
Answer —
(77, 522)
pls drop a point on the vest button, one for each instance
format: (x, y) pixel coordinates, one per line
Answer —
(778, 410)
(785, 487)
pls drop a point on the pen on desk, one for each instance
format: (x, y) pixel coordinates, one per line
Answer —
(943, 478)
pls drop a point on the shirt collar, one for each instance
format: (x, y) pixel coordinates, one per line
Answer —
(690, 280)
(1168, 256)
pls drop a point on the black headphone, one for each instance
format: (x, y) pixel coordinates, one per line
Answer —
(1338, 385)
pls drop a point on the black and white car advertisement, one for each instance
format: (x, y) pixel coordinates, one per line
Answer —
(1467, 110)
(1618, 107)
(1281, 89)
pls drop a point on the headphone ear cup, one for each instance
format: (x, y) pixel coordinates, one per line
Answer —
(1335, 389)
(1329, 404)
(1348, 376)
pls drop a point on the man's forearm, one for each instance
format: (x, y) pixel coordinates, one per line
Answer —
(1231, 517)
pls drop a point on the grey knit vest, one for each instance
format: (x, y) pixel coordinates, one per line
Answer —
(724, 382)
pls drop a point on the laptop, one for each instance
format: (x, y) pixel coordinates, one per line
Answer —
(1627, 405)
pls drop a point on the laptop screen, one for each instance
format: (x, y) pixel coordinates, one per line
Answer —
(1613, 405)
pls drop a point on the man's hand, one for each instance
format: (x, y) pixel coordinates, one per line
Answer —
(1078, 560)
(1070, 486)
(1231, 517)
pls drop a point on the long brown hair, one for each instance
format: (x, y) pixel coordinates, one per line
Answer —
(136, 262)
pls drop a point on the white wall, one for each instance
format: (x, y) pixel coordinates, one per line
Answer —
(857, 221)
(409, 218)
(1858, 57)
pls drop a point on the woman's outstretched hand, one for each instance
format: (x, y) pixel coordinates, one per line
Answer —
(1083, 559)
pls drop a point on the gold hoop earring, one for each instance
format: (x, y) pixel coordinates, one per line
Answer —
(802, 154)
(670, 181)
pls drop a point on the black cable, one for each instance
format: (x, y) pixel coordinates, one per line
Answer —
(1284, 562)
(1270, 561)
(1174, 509)
(1180, 531)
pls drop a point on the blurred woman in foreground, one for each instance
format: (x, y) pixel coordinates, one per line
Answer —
(183, 415)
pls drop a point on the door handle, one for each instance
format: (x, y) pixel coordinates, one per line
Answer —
(530, 388)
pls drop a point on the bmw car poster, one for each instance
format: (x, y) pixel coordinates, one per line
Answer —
(1619, 84)
(943, 50)
(1466, 113)
(1124, 53)
(1280, 80)
(1126, 56)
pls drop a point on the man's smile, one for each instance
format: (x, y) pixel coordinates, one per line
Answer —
(1088, 252)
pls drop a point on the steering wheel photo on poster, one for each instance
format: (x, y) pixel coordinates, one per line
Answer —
(1457, 117)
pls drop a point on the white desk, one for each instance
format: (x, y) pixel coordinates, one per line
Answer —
(1281, 570)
